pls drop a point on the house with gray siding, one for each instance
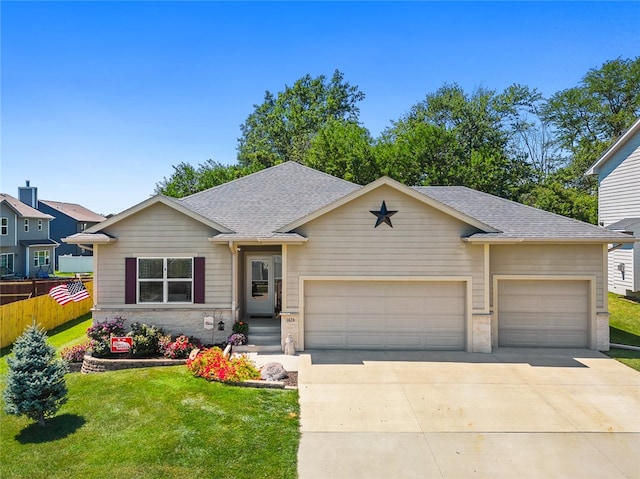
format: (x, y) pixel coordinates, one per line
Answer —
(335, 265)
(26, 247)
(68, 219)
(618, 172)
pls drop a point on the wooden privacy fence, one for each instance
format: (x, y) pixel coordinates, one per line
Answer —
(15, 317)
(11, 291)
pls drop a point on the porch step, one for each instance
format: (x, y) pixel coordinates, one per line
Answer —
(252, 348)
(262, 338)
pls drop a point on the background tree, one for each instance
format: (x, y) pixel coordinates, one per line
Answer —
(344, 149)
(187, 180)
(514, 144)
(283, 126)
(35, 385)
(454, 138)
(585, 120)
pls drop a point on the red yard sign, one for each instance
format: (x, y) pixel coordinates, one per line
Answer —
(121, 344)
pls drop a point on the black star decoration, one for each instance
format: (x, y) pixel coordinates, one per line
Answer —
(384, 215)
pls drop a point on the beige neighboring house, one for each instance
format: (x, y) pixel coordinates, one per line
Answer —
(618, 171)
(343, 266)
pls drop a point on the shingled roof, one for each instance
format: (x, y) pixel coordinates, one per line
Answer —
(268, 205)
(516, 221)
(259, 204)
(23, 209)
(75, 211)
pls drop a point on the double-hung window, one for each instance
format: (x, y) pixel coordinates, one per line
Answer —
(26, 225)
(165, 280)
(41, 258)
(6, 264)
(4, 226)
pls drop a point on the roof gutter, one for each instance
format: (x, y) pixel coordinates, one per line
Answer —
(258, 240)
(616, 240)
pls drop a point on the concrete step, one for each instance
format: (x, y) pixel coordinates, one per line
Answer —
(264, 329)
(254, 348)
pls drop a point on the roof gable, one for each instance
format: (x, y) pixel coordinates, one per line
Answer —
(158, 199)
(22, 209)
(632, 134)
(399, 187)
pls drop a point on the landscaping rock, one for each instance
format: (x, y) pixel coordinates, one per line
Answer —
(273, 372)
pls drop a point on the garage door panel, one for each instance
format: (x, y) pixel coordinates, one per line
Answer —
(543, 313)
(385, 315)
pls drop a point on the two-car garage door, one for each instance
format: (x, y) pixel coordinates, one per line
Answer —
(348, 314)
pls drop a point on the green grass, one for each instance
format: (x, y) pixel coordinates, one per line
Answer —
(153, 423)
(624, 324)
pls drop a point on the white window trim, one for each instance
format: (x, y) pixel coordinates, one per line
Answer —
(4, 226)
(39, 225)
(164, 280)
(26, 225)
(7, 256)
(36, 258)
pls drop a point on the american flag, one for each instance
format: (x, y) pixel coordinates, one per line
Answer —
(65, 293)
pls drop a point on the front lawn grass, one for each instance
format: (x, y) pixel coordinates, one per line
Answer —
(624, 324)
(153, 423)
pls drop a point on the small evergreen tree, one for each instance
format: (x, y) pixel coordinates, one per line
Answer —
(35, 382)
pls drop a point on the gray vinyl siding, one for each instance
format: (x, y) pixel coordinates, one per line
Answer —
(10, 238)
(422, 242)
(561, 260)
(619, 193)
(160, 231)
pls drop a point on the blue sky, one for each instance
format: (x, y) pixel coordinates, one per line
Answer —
(100, 99)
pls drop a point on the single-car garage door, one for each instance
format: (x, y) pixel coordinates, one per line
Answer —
(543, 313)
(384, 315)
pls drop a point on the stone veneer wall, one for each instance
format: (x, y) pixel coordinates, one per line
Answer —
(101, 365)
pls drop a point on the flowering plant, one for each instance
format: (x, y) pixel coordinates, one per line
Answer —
(75, 354)
(240, 327)
(237, 339)
(213, 365)
(100, 335)
(179, 348)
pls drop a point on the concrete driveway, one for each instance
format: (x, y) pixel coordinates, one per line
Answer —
(516, 413)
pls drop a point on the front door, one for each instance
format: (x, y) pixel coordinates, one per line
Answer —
(259, 287)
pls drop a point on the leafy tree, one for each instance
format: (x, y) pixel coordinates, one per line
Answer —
(600, 108)
(453, 138)
(283, 126)
(344, 149)
(35, 385)
(187, 180)
(586, 119)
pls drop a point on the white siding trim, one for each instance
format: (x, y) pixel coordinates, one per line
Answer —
(434, 279)
(487, 281)
(285, 273)
(591, 334)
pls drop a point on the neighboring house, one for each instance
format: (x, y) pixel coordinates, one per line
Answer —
(69, 218)
(381, 266)
(26, 248)
(618, 171)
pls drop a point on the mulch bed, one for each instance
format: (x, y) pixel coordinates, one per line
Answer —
(291, 380)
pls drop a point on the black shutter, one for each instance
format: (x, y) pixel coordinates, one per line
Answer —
(198, 280)
(130, 280)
